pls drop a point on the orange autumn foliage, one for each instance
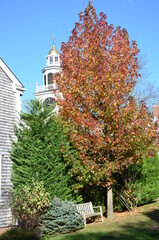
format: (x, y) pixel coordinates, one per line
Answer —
(99, 72)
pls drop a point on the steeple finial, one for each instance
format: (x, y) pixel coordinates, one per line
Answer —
(53, 38)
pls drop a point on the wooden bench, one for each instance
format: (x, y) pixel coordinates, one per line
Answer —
(87, 210)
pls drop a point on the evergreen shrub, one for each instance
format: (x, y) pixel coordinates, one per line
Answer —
(43, 148)
(62, 217)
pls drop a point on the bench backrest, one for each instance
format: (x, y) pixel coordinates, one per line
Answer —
(85, 207)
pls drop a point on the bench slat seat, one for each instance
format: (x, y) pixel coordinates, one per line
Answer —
(87, 210)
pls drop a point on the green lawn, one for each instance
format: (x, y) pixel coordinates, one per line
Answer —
(143, 224)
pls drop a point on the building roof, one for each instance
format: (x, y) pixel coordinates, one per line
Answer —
(11, 75)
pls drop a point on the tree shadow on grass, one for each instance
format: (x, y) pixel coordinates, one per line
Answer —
(154, 215)
(143, 230)
(128, 232)
(144, 235)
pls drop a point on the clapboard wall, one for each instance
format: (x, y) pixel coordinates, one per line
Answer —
(9, 104)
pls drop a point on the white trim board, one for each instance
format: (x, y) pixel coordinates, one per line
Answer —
(11, 75)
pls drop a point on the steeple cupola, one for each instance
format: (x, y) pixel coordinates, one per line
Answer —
(52, 67)
(53, 57)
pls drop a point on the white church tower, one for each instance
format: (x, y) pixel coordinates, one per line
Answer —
(47, 91)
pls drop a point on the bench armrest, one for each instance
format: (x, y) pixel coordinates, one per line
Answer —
(100, 209)
(97, 207)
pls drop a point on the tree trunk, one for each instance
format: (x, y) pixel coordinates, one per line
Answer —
(109, 202)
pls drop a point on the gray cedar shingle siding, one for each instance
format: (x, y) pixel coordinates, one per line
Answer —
(8, 115)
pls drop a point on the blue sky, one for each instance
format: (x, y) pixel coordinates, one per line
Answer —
(27, 27)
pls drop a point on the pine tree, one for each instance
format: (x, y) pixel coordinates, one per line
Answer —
(41, 150)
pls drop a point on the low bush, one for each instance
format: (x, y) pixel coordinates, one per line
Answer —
(18, 234)
(28, 204)
(62, 217)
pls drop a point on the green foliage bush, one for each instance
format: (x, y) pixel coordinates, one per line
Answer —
(62, 217)
(28, 204)
(43, 148)
(18, 234)
(138, 185)
(147, 187)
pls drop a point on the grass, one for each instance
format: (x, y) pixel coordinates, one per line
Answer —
(141, 224)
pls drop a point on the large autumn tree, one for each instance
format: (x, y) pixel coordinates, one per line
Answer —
(110, 129)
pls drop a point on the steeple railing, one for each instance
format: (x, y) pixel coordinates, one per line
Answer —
(46, 87)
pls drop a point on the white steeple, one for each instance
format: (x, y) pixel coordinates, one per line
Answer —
(47, 91)
(52, 65)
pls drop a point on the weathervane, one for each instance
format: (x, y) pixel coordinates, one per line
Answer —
(53, 38)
